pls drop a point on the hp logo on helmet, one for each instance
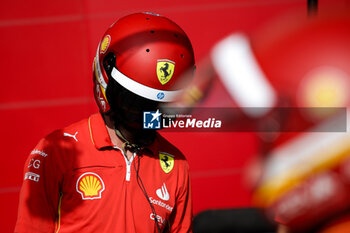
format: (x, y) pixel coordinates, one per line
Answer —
(160, 95)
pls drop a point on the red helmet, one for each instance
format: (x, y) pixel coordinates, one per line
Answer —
(144, 53)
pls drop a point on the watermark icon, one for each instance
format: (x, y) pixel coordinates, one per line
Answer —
(152, 120)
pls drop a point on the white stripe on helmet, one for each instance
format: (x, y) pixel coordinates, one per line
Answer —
(142, 90)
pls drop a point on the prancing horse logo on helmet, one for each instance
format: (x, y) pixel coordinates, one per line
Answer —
(165, 70)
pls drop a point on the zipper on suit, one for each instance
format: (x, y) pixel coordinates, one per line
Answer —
(128, 163)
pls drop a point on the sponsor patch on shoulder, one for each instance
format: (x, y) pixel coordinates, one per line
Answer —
(31, 176)
(38, 152)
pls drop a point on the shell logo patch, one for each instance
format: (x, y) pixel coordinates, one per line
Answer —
(166, 162)
(165, 70)
(90, 186)
(105, 43)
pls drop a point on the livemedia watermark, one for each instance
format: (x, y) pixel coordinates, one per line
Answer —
(247, 119)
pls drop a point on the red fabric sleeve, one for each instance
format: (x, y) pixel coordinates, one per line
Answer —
(39, 197)
(181, 220)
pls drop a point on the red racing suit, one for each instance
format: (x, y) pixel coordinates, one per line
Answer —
(75, 180)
